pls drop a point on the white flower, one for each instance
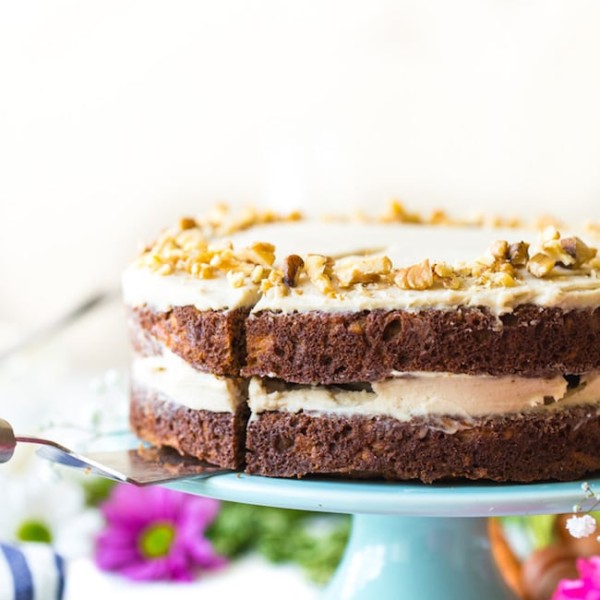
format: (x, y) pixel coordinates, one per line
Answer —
(580, 527)
(38, 505)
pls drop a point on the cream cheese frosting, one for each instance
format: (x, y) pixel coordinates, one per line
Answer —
(420, 394)
(403, 396)
(177, 380)
(144, 287)
(404, 244)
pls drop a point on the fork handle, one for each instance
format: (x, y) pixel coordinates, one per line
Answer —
(7, 441)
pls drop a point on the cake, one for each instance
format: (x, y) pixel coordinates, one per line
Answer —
(369, 348)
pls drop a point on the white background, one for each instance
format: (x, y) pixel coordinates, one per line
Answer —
(118, 116)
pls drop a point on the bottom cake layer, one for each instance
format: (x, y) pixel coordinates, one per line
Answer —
(215, 437)
(562, 445)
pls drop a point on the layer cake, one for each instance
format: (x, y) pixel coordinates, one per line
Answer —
(368, 349)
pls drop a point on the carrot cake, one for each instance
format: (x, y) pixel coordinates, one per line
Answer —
(292, 347)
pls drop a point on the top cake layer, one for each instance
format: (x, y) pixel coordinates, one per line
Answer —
(302, 266)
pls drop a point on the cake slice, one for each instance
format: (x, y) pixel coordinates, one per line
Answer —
(197, 413)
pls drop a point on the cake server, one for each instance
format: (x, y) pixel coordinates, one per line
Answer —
(141, 466)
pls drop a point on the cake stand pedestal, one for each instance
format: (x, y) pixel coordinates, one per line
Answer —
(409, 541)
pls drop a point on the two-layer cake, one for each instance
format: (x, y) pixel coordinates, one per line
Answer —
(368, 349)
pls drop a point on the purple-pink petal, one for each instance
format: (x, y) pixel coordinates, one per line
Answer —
(204, 554)
(143, 570)
(130, 511)
(586, 588)
(112, 559)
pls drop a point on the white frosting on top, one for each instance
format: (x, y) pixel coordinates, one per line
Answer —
(144, 287)
(177, 380)
(403, 244)
(425, 394)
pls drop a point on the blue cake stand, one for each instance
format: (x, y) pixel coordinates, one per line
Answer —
(409, 541)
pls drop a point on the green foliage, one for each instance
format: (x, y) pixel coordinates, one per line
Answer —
(96, 489)
(282, 536)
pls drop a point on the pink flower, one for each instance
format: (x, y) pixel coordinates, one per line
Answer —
(156, 533)
(586, 588)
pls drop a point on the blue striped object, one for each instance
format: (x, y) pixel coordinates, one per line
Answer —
(31, 572)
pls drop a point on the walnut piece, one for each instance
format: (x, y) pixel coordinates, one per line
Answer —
(363, 270)
(518, 254)
(499, 250)
(415, 277)
(397, 213)
(540, 264)
(273, 284)
(259, 253)
(449, 278)
(318, 268)
(496, 279)
(577, 250)
(187, 223)
(292, 265)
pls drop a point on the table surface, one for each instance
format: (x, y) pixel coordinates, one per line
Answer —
(251, 577)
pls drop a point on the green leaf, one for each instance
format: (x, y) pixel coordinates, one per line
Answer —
(282, 535)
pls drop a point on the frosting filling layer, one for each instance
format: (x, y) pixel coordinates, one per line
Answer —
(404, 396)
(409, 395)
(169, 374)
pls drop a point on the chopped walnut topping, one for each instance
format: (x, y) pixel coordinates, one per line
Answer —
(439, 217)
(396, 213)
(503, 222)
(196, 247)
(165, 269)
(292, 265)
(570, 253)
(319, 269)
(578, 251)
(496, 279)
(518, 254)
(274, 284)
(259, 253)
(363, 270)
(499, 250)
(447, 276)
(257, 274)
(540, 265)
(236, 279)
(415, 277)
(203, 271)
(187, 223)
(549, 234)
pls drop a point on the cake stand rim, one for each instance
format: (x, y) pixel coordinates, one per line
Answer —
(411, 499)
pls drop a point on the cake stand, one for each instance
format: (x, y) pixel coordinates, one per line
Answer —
(408, 540)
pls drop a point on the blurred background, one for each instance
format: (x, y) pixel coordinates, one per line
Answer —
(118, 117)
